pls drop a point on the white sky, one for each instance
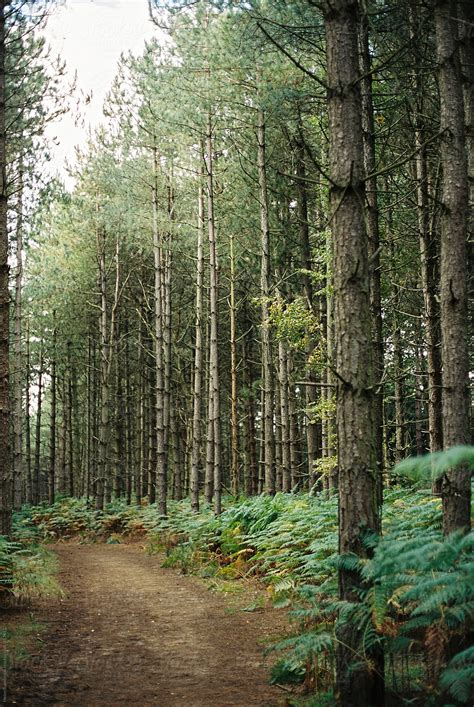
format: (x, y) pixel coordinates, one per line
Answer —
(90, 36)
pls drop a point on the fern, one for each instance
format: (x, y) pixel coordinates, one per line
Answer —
(432, 466)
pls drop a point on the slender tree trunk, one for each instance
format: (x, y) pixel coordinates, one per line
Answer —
(37, 467)
(167, 320)
(121, 470)
(428, 258)
(101, 481)
(285, 418)
(311, 392)
(214, 390)
(357, 684)
(70, 425)
(234, 425)
(466, 32)
(454, 222)
(373, 233)
(419, 404)
(18, 352)
(159, 345)
(89, 433)
(333, 477)
(5, 463)
(267, 378)
(128, 424)
(251, 471)
(29, 478)
(400, 446)
(198, 357)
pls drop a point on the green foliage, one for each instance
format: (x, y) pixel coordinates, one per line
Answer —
(294, 322)
(458, 678)
(430, 467)
(419, 594)
(27, 571)
(283, 672)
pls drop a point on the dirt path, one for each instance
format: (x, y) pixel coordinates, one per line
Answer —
(132, 633)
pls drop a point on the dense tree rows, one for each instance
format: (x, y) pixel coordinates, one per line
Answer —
(204, 294)
(259, 282)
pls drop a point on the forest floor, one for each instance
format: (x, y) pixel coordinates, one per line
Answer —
(129, 631)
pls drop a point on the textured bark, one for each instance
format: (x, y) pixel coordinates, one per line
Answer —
(373, 233)
(39, 410)
(358, 507)
(129, 423)
(466, 33)
(28, 460)
(198, 357)
(267, 377)
(234, 427)
(429, 278)
(456, 489)
(214, 384)
(89, 417)
(400, 447)
(311, 392)
(121, 438)
(104, 377)
(5, 459)
(167, 320)
(70, 430)
(161, 480)
(428, 255)
(106, 337)
(251, 458)
(18, 352)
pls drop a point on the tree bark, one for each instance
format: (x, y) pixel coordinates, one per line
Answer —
(159, 348)
(5, 463)
(267, 378)
(198, 357)
(234, 425)
(428, 257)
(358, 507)
(18, 352)
(373, 233)
(456, 490)
(214, 384)
(37, 466)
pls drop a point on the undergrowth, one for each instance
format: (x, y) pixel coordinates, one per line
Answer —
(418, 605)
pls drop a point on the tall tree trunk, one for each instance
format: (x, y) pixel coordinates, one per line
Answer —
(37, 466)
(428, 256)
(121, 439)
(167, 318)
(234, 425)
(5, 464)
(29, 478)
(357, 684)
(198, 354)
(251, 459)
(90, 407)
(285, 417)
(466, 32)
(311, 392)
(399, 376)
(214, 389)
(267, 377)
(454, 221)
(373, 233)
(70, 427)
(18, 351)
(159, 345)
(104, 354)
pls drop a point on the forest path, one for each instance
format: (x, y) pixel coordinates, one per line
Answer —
(129, 632)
